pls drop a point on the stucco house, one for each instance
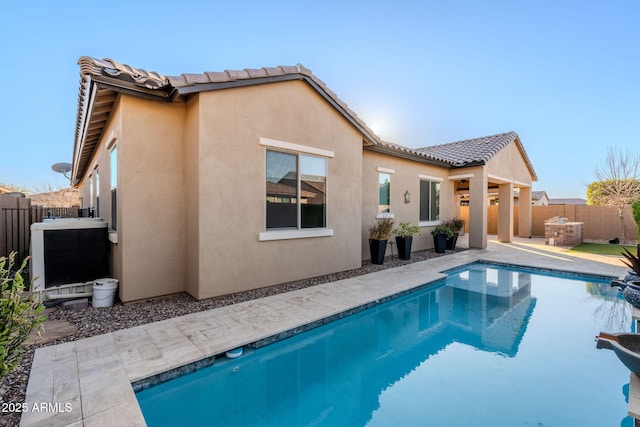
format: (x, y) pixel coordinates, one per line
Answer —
(539, 198)
(221, 182)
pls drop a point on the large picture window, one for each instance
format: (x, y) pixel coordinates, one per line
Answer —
(429, 201)
(296, 186)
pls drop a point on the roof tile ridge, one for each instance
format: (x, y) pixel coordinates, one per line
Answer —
(470, 139)
(111, 68)
(243, 74)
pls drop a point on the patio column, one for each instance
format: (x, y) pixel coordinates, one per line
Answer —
(525, 212)
(505, 212)
(478, 209)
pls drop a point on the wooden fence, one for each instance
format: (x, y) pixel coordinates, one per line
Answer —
(16, 216)
(15, 220)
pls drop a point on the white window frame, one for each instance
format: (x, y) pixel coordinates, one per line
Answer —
(113, 185)
(390, 172)
(96, 193)
(429, 178)
(300, 233)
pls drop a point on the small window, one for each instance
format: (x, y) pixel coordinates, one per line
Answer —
(91, 191)
(97, 193)
(429, 201)
(384, 193)
(114, 187)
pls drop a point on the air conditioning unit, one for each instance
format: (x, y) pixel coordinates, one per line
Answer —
(67, 255)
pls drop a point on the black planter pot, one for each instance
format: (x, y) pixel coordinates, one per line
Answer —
(377, 248)
(440, 243)
(404, 247)
(451, 242)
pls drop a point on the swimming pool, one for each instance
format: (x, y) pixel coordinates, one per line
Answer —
(490, 346)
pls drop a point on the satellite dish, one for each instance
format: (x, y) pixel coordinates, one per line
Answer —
(63, 168)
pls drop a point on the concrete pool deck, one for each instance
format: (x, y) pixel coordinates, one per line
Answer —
(88, 382)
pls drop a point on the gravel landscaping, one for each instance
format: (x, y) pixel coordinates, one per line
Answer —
(95, 321)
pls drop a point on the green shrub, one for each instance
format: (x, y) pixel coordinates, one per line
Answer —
(406, 229)
(443, 229)
(635, 206)
(19, 313)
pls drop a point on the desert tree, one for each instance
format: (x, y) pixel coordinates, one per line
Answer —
(54, 196)
(618, 182)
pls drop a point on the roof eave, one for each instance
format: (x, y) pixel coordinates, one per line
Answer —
(408, 156)
(91, 87)
(166, 94)
(369, 138)
(86, 95)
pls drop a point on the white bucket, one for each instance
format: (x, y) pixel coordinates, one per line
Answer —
(104, 292)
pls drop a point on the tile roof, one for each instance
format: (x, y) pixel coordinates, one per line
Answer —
(470, 151)
(110, 68)
(102, 80)
(191, 83)
(476, 151)
(189, 80)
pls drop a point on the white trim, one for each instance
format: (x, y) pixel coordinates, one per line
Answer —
(521, 184)
(465, 176)
(430, 178)
(385, 170)
(429, 223)
(385, 215)
(296, 147)
(266, 236)
(500, 179)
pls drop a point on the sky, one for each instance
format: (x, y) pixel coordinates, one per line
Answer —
(564, 75)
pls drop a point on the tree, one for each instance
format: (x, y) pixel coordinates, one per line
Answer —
(618, 182)
(13, 187)
(54, 197)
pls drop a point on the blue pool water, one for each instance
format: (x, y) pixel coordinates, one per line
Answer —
(491, 346)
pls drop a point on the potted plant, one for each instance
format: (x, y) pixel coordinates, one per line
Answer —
(633, 262)
(440, 235)
(455, 224)
(379, 233)
(404, 237)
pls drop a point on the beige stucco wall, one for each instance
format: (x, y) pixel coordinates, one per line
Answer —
(102, 161)
(509, 170)
(231, 195)
(151, 198)
(405, 178)
(508, 163)
(192, 192)
(149, 256)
